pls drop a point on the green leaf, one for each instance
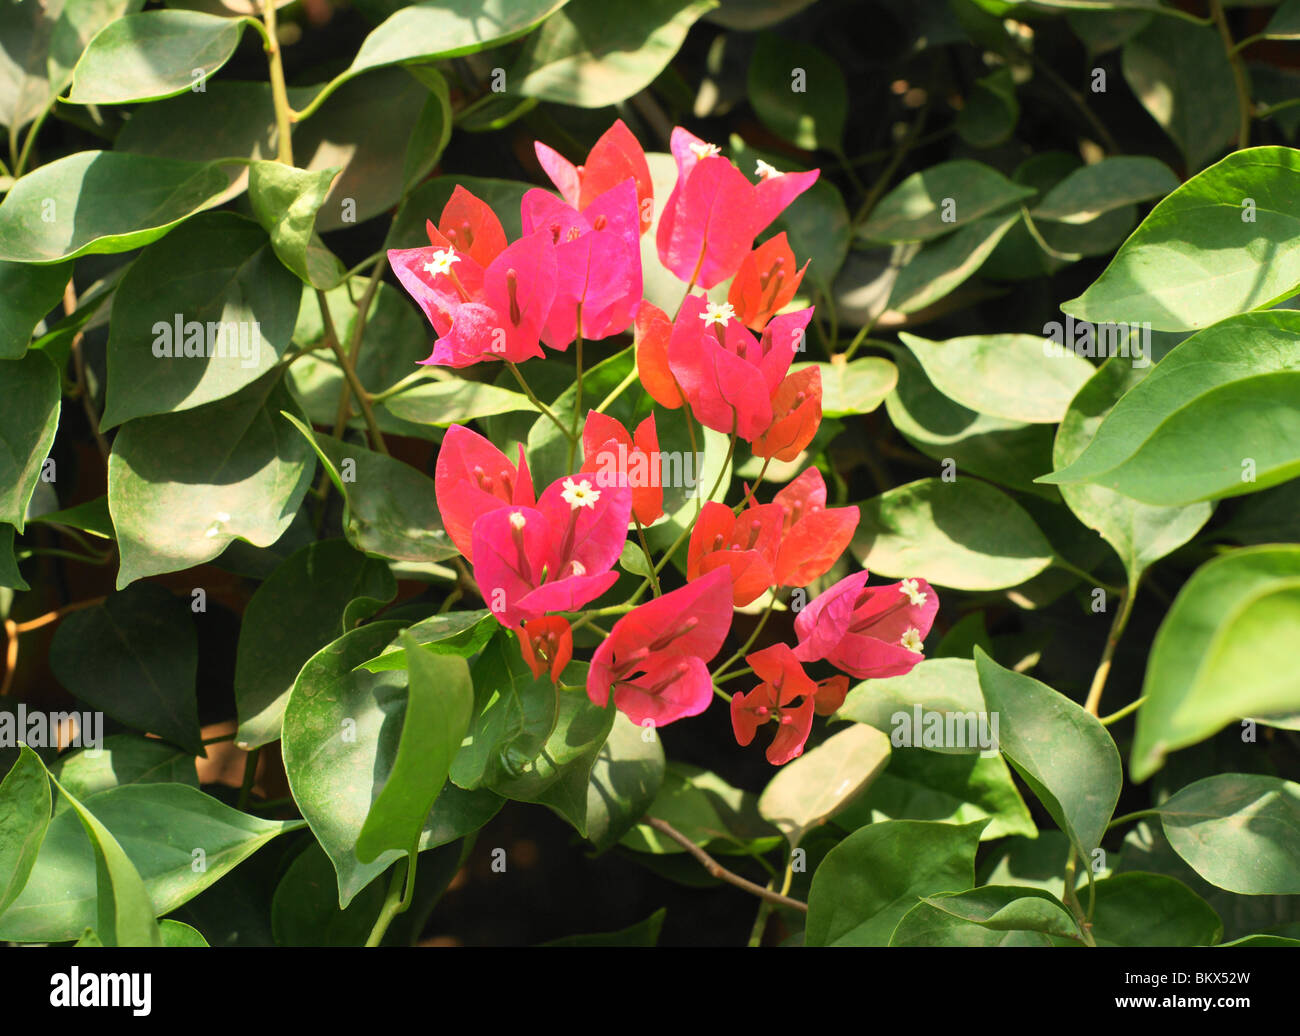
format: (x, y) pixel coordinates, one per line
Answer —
(514, 714)
(1140, 533)
(182, 486)
(91, 517)
(42, 43)
(179, 934)
(1182, 77)
(135, 657)
(1014, 377)
(340, 740)
(857, 387)
(1285, 23)
(1136, 909)
(24, 818)
(963, 534)
(123, 759)
(811, 789)
(455, 401)
(438, 709)
(305, 910)
(643, 933)
(27, 294)
(559, 775)
(868, 882)
(1221, 244)
(1238, 831)
(159, 827)
(424, 31)
(291, 616)
(1110, 184)
(628, 774)
(940, 199)
(124, 912)
(198, 316)
(385, 131)
(938, 267)
(227, 120)
(799, 92)
(96, 202)
(9, 574)
(157, 54)
(392, 509)
(991, 111)
(452, 633)
(1215, 418)
(1064, 754)
(29, 417)
(708, 811)
(1224, 652)
(957, 789)
(591, 54)
(1011, 453)
(974, 918)
(285, 201)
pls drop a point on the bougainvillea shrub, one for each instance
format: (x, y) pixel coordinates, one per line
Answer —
(678, 471)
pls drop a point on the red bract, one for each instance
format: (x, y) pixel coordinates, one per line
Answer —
(813, 536)
(726, 375)
(480, 313)
(615, 157)
(786, 695)
(870, 632)
(473, 477)
(746, 545)
(796, 415)
(546, 645)
(714, 213)
(766, 282)
(598, 259)
(620, 459)
(653, 330)
(654, 659)
(555, 557)
(831, 693)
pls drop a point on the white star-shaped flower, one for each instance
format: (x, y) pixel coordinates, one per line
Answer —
(517, 520)
(580, 494)
(911, 590)
(717, 313)
(763, 171)
(702, 150)
(912, 639)
(442, 260)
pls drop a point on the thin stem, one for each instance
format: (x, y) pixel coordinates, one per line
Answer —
(726, 465)
(532, 398)
(1071, 898)
(749, 493)
(740, 652)
(279, 93)
(1240, 81)
(1115, 717)
(721, 693)
(1093, 704)
(79, 373)
(733, 676)
(11, 656)
(645, 549)
(21, 164)
(350, 374)
(1128, 817)
(882, 181)
(219, 738)
(716, 869)
(392, 903)
(1080, 105)
(617, 391)
(1061, 563)
(54, 616)
(577, 394)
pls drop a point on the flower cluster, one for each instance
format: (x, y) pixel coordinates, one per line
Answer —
(539, 561)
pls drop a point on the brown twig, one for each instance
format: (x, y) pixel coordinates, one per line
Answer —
(716, 869)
